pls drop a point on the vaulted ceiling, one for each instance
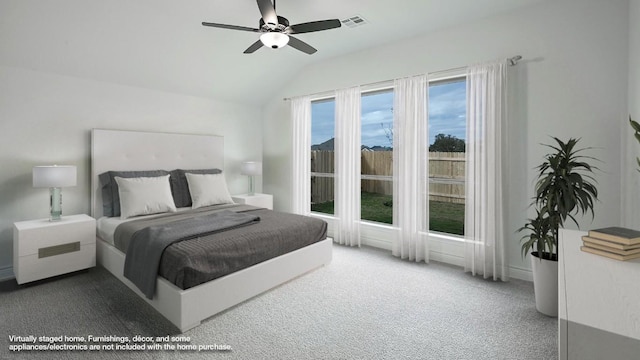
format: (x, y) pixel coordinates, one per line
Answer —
(161, 44)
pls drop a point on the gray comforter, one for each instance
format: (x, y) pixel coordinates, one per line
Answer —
(147, 245)
(204, 257)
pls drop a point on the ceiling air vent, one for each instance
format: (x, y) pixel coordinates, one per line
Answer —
(354, 21)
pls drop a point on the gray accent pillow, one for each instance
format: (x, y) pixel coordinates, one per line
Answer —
(180, 187)
(110, 196)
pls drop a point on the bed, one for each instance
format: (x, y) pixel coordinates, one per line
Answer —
(185, 308)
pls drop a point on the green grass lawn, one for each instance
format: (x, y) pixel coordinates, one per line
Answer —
(443, 217)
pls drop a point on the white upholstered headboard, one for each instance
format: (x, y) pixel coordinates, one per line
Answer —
(136, 150)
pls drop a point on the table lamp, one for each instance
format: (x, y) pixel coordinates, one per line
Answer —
(251, 168)
(54, 177)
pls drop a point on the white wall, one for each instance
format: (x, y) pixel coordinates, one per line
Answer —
(46, 119)
(572, 83)
(630, 148)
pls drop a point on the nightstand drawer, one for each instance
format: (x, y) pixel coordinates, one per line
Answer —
(32, 267)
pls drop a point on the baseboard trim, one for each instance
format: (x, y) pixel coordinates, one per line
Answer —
(446, 258)
(6, 273)
(445, 252)
(520, 273)
(376, 243)
(441, 250)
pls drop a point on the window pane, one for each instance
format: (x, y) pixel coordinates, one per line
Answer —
(376, 205)
(447, 133)
(322, 155)
(376, 159)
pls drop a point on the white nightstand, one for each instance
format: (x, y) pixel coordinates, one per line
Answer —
(43, 248)
(260, 200)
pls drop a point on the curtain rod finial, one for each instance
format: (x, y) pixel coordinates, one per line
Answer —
(514, 60)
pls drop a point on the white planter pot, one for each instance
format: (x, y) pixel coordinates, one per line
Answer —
(545, 285)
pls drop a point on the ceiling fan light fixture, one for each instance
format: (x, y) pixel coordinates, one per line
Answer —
(274, 40)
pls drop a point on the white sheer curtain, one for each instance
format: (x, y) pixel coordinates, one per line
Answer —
(347, 166)
(301, 167)
(410, 168)
(484, 229)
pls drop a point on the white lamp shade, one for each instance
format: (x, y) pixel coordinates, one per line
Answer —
(251, 168)
(274, 40)
(54, 176)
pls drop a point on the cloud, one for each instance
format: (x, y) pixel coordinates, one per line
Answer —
(448, 110)
(447, 115)
(322, 121)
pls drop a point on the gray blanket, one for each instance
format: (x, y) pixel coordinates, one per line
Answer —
(147, 245)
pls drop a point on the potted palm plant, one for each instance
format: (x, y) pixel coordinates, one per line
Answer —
(564, 188)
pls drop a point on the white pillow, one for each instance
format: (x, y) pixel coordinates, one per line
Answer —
(144, 195)
(208, 189)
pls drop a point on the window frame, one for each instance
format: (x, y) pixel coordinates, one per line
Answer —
(449, 77)
(378, 88)
(443, 78)
(312, 174)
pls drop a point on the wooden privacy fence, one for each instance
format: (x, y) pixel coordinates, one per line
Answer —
(446, 175)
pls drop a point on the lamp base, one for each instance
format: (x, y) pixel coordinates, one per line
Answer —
(55, 204)
(252, 190)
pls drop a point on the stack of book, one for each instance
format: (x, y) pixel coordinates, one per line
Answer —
(613, 242)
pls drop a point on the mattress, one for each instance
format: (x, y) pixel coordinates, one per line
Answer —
(195, 261)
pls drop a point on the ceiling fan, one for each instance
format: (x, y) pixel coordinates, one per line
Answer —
(276, 31)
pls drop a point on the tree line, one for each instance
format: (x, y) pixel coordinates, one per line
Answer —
(447, 143)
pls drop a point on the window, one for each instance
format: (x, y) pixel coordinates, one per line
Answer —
(322, 155)
(447, 132)
(376, 196)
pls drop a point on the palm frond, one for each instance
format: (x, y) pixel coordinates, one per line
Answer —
(565, 187)
(636, 128)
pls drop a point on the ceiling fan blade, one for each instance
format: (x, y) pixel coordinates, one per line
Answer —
(231, 27)
(314, 26)
(268, 12)
(301, 45)
(255, 46)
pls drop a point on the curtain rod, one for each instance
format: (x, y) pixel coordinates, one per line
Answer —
(511, 61)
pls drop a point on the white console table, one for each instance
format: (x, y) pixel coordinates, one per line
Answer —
(598, 303)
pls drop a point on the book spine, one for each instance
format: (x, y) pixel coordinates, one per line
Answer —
(612, 238)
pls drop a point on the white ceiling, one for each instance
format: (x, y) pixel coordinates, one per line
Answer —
(161, 44)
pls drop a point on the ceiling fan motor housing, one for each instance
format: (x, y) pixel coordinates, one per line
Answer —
(282, 25)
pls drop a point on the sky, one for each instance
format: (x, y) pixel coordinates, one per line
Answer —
(447, 115)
